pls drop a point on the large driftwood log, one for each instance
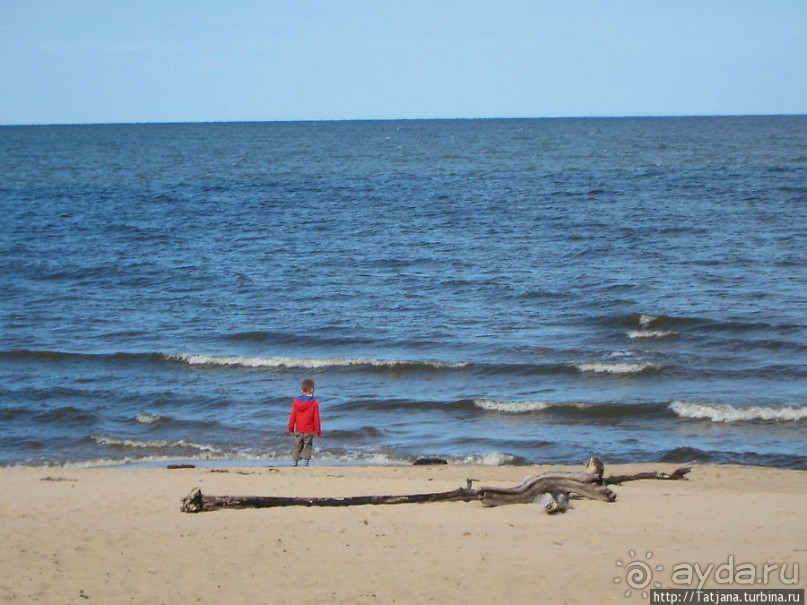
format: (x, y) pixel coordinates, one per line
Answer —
(551, 489)
(195, 502)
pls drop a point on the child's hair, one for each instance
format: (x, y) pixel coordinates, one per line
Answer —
(308, 386)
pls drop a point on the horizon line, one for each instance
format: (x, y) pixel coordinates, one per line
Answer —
(414, 119)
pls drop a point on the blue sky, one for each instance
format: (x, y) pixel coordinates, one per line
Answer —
(90, 61)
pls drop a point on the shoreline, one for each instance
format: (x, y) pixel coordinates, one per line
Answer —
(207, 463)
(78, 535)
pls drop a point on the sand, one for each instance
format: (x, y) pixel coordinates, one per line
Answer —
(117, 536)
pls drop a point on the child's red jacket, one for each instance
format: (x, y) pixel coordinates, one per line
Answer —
(304, 415)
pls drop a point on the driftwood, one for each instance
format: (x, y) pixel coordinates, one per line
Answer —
(675, 475)
(551, 490)
(587, 484)
(195, 502)
(554, 502)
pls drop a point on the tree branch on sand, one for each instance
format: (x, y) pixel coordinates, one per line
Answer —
(552, 490)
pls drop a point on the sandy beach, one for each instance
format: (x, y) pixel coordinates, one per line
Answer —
(118, 536)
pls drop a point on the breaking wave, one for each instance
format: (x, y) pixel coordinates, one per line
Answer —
(729, 413)
(310, 362)
(490, 459)
(617, 368)
(523, 407)
(646, 320)
(650, 334)
(157, 444)
(146, 418)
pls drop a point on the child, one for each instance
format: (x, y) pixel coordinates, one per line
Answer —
(304, 423)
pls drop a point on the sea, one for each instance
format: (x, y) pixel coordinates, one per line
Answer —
(492, 291)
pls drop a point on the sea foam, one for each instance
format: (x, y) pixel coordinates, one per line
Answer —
(157, 444)
(729, 413)
(308, 362)
(646, 320)
(522, 407)
(639, 334)
(146, 418)
(489, 459)
(616, 368)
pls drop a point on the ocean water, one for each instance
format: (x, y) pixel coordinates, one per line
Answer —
(495, 291)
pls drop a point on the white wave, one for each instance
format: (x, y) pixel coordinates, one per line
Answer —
(490, 459)
(306, 362)
(363, 458)
(157, 444)
(522, 407)
(646, 320)
(616, 368)
(637, 334)
(729, 413)
(146, 418)
(243, 459)
(156, 460)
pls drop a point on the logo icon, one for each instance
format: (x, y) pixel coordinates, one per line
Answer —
(638, 574)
